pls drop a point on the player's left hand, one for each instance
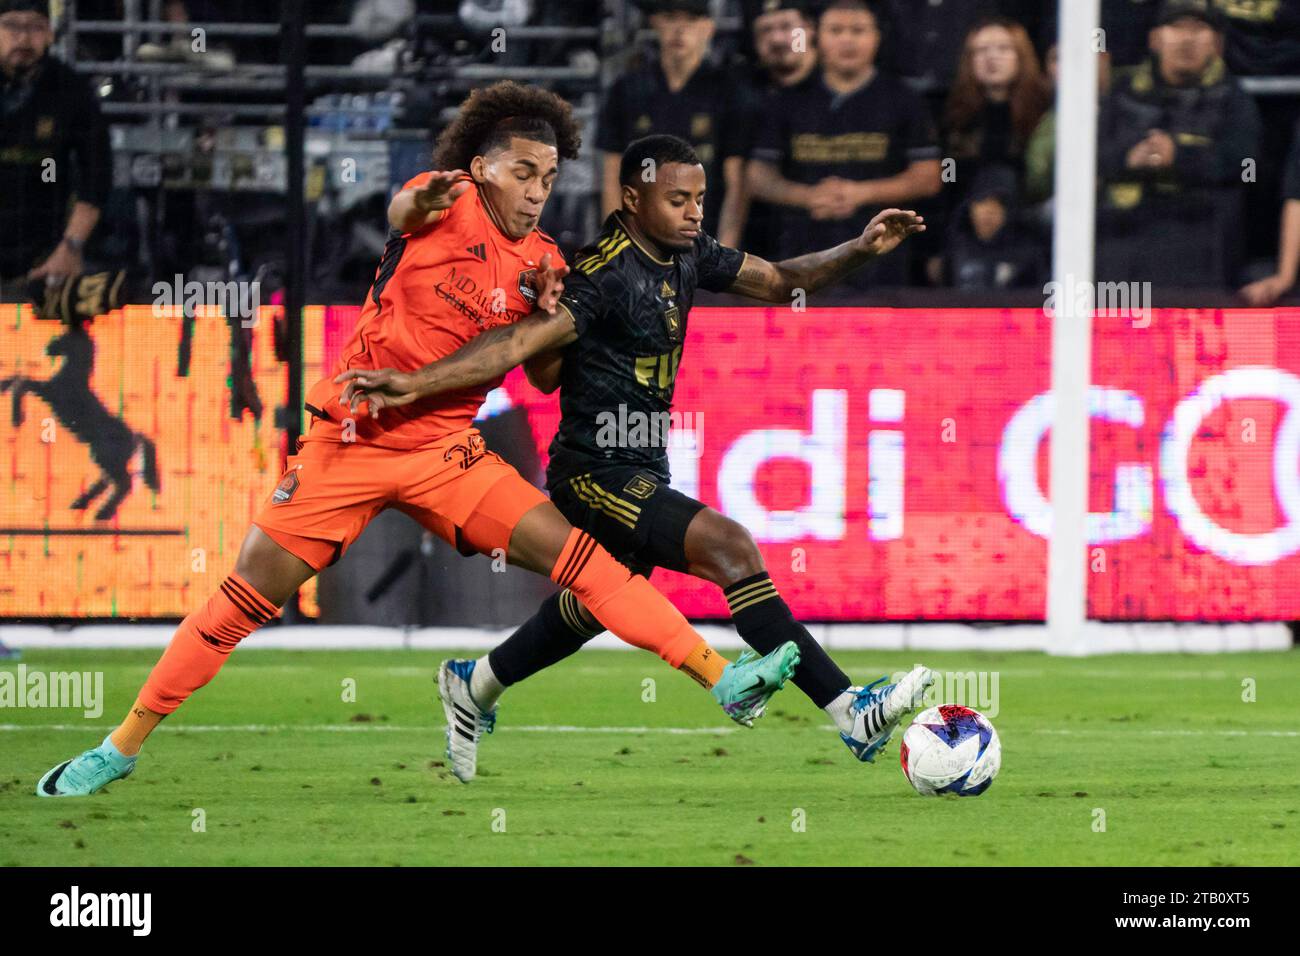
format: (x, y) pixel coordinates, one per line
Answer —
(378, 388)
(548, 283)
(888, 229)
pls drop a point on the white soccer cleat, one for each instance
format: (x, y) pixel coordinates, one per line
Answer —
(876, 711)
(465, 722)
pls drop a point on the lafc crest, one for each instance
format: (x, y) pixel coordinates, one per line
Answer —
(672, 315)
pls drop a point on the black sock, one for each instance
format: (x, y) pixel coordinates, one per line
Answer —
(550, 635)
(765, 623)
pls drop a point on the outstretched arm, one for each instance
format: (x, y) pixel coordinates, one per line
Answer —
(777, 281)
(413, 209)
(481, 359)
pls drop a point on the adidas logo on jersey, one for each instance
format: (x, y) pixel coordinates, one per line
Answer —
(479, 251)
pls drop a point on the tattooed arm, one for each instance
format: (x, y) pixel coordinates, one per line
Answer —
(481, 359)
(777, 281)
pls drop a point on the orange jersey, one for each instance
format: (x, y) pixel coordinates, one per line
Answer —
(434, 290)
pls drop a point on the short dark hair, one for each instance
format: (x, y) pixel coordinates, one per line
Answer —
(869, 6)
(26, 6)
(661, 149)
(492, 115)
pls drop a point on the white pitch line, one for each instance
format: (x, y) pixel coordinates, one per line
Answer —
(571, 729)
(349, 728)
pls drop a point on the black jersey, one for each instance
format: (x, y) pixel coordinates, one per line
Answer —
(50, 122)
(706, 112)
(1263, 36)
(616, 383)
(811, 133)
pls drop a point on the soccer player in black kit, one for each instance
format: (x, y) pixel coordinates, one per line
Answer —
(617, 340)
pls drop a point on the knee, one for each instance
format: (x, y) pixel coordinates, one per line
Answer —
(732, 555)
(273, 572)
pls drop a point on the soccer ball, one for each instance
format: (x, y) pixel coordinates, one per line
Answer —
(950, 749)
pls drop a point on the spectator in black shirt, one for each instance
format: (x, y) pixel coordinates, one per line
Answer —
(1172, 138)
(785, 50)
(684, 95)
(1263, 36)
(54, 154)
(1268, 290)
(844, 144)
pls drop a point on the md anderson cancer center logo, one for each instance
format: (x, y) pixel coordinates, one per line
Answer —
(484, 307)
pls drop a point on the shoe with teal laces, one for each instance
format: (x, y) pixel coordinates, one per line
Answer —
(83, 775)
(749, 682)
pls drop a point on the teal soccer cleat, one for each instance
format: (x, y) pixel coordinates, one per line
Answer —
(749, 682)
(83, 775)
(876, 711)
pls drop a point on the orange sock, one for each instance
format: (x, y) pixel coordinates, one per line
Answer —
(201, 645)
(704, 664)
(624, 602)
(135, 727)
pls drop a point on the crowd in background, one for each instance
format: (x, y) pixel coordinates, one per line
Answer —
(817, 113)
(846, 107)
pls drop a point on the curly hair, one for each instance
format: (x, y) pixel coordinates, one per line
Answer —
(492, 115)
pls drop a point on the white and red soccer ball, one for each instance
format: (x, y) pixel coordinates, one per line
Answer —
(950, 750)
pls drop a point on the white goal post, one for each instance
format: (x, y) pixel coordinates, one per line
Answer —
(1074, 228)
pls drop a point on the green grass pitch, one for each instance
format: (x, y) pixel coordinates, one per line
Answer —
(1161, 749)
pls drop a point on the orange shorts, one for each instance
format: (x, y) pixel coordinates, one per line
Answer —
(331, 490)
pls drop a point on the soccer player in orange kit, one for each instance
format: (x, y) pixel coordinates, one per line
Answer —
(468, 258)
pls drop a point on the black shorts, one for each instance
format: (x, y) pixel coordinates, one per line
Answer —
(633, 514)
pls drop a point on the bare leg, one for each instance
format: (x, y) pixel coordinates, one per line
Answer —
(271, 569)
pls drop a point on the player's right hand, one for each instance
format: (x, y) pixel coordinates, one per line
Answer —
(440, 191)
(378, 388)
(549, 284)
